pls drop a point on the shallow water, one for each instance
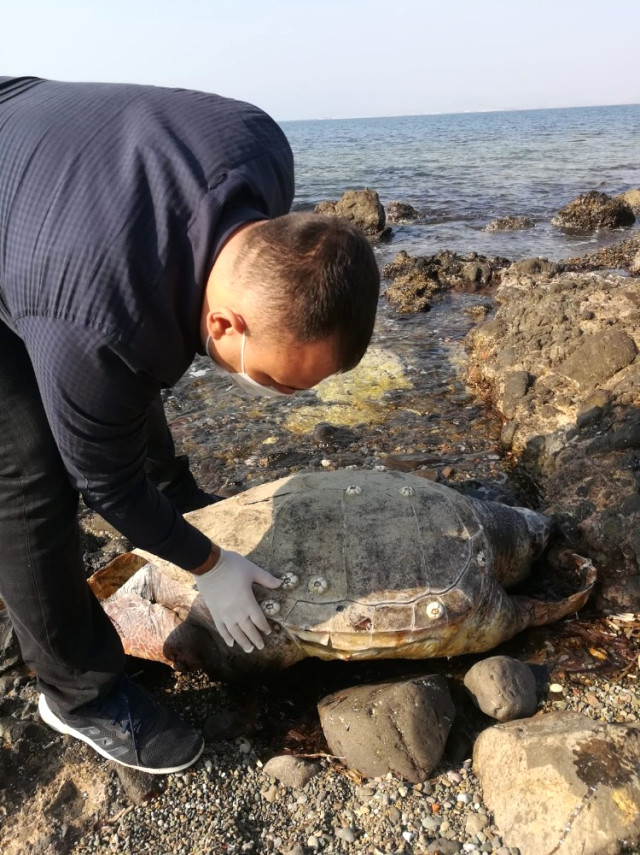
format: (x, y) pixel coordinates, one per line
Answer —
(406, 397)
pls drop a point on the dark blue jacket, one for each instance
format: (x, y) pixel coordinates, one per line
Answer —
(114, 202)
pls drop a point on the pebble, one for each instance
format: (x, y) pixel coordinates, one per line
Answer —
(347, 834)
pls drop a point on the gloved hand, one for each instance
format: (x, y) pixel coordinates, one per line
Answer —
(227, 593)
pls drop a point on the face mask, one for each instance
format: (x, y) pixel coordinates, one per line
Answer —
(243, 381)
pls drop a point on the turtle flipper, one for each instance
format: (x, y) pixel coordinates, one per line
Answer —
(534, 612)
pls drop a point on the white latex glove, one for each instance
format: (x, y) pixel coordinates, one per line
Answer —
(227, 593)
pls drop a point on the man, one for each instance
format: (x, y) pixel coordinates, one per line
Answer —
(139, 226)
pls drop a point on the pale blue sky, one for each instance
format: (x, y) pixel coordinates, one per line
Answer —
(339, 58)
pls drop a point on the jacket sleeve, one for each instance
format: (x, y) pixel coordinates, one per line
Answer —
(96, 401)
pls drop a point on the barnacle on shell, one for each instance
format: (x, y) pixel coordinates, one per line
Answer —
(407, 491)
(318, 585)
(434, 610)
(481, 559)
(353, 490)
(289, 581)
(270, 607)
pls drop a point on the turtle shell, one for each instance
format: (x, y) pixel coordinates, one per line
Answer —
(368, 559)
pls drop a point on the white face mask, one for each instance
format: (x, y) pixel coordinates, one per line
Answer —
(243, 381)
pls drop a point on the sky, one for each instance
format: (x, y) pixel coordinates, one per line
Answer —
(308, 59)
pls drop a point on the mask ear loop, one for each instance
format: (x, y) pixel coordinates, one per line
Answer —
(242, 352)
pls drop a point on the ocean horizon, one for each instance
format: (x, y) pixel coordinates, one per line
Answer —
(456, 112)
(461, 170)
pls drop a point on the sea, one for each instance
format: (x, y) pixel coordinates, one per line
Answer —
(464, 169)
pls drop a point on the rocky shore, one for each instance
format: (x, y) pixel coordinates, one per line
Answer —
(555, 359)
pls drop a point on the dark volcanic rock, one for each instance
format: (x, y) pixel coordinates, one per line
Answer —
(623, 256)
(509, 224)
(594, 210)
(361, 207)
(575, 424)
(599, 357)
(416, 279)
(401, 212)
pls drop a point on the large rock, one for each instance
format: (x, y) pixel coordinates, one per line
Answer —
(560, 361)
(361, 207)
(593, 211)
(631, 198)
(562, 783)
(502, 687)
(417, 279)
(396, 727)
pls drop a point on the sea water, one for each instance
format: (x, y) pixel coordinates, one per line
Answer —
(463, 170)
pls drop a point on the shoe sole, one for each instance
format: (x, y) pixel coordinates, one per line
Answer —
(50, 718)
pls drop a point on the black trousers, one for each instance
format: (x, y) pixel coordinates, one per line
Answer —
(64, 634)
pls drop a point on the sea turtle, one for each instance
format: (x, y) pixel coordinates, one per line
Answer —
(374, 565)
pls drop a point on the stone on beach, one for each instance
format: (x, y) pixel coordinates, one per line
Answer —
(502, 687)
(594, 210)
(562, 783)
(400, 728)
(291, 771)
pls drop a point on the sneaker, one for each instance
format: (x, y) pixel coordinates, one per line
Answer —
(131, 728)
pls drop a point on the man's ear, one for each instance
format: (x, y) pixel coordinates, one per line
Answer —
(223, 321)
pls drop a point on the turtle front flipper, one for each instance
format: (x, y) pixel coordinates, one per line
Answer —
(536, 612)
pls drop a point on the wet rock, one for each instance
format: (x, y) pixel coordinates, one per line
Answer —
(138, 786)
(533, 267)
(398, 727)
(618, 256)
(562, 783)
(410, 462)
(417, 279)
(401, 212)
(509, 224)
(593, 408)
(291, 771)
(594, 210)
(502, 687)
(361, 207)
(599, 357)
(325, 435)
(631, 198)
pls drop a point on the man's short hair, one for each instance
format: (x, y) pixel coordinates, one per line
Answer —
(318, 277)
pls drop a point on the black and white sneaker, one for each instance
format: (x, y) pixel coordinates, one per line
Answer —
(131, 728)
